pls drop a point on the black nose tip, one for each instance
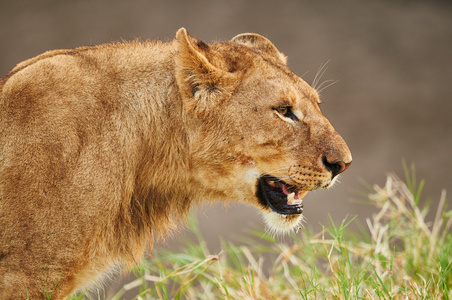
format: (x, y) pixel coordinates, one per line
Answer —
(336, 167)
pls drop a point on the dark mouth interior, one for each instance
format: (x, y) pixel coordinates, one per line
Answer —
(272, 193)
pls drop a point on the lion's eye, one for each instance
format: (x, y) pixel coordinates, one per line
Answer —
(282, 110)
(286, 111)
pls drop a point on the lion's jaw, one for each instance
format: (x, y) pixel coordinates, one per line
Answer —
(282, 224)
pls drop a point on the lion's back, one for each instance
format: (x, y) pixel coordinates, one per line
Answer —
(62, 162)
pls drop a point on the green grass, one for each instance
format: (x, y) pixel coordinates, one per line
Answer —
(399, 256)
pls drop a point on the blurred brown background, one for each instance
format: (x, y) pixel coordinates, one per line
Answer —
(393, 60)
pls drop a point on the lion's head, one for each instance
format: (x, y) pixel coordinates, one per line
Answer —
(257, 134)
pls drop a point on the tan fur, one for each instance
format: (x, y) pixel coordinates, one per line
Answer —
(104, 148)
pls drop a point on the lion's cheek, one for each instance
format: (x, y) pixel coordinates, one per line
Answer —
(251, 176)
(244, 187)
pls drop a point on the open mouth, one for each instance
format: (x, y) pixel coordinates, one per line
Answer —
(280, 197)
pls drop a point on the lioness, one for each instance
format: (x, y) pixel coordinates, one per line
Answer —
(104, 148)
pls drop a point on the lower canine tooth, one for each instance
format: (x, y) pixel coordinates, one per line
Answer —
(290, 198)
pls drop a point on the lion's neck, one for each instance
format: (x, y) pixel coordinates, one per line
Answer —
(161, 193)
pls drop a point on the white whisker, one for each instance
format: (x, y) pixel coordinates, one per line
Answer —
(304, 74)
(284, 178)
(320, 72)
(324, 83)
(322, 86)
(278, 170)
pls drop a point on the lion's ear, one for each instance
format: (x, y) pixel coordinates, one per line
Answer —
(258, 42)
(200, 81)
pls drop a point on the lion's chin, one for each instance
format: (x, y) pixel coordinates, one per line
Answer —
(282, 224)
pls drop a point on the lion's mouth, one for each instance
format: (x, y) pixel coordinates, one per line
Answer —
(280, 197)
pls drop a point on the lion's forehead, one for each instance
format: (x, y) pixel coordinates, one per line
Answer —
(294, 93)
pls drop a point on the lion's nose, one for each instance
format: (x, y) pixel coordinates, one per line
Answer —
(336, 167)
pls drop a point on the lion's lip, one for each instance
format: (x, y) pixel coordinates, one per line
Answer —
(279, 196)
